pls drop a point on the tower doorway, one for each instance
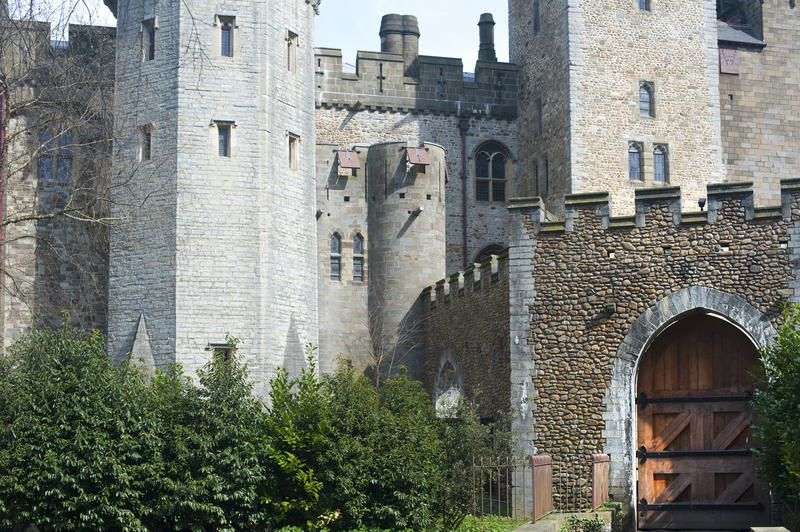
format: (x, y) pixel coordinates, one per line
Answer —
(694, 467)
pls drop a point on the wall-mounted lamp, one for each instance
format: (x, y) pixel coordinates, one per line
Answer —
(702, 203)
(418, 210)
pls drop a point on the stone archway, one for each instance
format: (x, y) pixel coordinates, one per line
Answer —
(448, 387)
(619, 414)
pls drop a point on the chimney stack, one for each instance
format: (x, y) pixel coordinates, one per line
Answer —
(486, 50)
(400, 35)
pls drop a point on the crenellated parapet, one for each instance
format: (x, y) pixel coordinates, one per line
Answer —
(728, 201)
(477, 277)
(399, 79)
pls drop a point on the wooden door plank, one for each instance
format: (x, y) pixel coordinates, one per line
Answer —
(675, 488)
(670, 432)
(732, 430)
(737, 488)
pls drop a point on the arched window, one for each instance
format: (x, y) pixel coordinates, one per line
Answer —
(492, 169)
(646, 107)
(488, 251)
(358, 257)
(660, 164)
(336, 257)
(635, 161)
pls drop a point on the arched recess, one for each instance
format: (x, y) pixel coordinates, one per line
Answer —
(448, 388)
(619, 399)
(488, 251)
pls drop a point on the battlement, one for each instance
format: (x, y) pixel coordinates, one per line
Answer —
(398, 79)
(474, 278)
(659, 205)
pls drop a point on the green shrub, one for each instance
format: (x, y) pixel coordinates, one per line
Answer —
(575, 523)
(777, 403)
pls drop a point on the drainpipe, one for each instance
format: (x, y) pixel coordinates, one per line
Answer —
(463, 127)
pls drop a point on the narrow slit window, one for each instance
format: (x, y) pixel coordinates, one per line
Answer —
(646, 107)
(226, 27)
(291, 51)
(224, 140)
(635, 161)
(149, 39)
(535, 17)
(294, 145)
(660, 164)
(336, 257)
(145, 143)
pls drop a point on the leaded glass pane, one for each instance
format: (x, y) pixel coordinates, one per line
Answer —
(635, 163)
(482, 165)
(499, 166)
(224, 140)
(65, 144)
(498, 190)
(336, 268)
(645, 96)
(64, 168)
(482, 190)
(659, 165)
(44, 168)
(226, 41)
(358, 245)
(336, 243)
(358, 269)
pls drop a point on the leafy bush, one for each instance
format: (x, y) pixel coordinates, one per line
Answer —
(777, 403)
(86, 443)
(575, 523)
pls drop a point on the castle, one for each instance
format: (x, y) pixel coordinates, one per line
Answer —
(597, 235)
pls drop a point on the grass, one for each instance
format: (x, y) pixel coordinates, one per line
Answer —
(489, 524)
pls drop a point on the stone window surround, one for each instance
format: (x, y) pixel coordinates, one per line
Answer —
(509, 170)
(292, 150)
(335, 255)
(220, 21)
(639, 147)
(147, 31)
(653, 99)
(292, 44)
(145, 144)
(218, 125)
(648, 171)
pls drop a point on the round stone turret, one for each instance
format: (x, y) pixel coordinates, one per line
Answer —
(407, 248)
(400, 35)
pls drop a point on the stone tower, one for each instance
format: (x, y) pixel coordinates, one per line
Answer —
(406, 221)
(215, 121)
(584, 119)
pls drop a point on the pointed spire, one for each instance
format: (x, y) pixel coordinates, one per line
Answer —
(142, 353)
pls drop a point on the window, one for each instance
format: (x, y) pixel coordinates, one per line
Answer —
(358, 258)
(145, 143)
(291, 51)
(644, 5)
(635, 161)
(660, 164)
(221, 352)
(336, 257)
(537, 117)
(224, 140)
(294, 142)
(491, 165)
(149, 39)
(226, 27)
(535, 17)
(55, 160)
(646, 107)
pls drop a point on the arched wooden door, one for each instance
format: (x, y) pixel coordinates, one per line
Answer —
(693, 430)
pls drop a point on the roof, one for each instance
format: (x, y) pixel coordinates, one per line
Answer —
(737, 34)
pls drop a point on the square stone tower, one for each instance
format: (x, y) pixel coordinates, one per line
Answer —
(214, 182)
(616, 95)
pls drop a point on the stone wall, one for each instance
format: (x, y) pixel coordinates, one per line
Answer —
(597, 276)
(585, 65)
(467, 324)
(759, 105)
(487, 222)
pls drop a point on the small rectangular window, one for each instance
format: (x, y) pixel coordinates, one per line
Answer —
(336, 268)
(224, 132)
(149, 39)
(644, 5)
(294, 142)
(145, 143)
(358, 268)
(535, 17)
(226, 27)
(291, 51)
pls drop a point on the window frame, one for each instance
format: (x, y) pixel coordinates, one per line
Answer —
(664, 155)
(645, 5)
(292, 44)
(145, 143)
(637, 148)
(58, 151)
(647, 87)
(492, 149)
(358, 258)
(336, 256)
(227, 23)
(224, 129)
(293, 147)
(148, 30)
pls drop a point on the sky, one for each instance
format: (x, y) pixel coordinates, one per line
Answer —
(448, 28)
